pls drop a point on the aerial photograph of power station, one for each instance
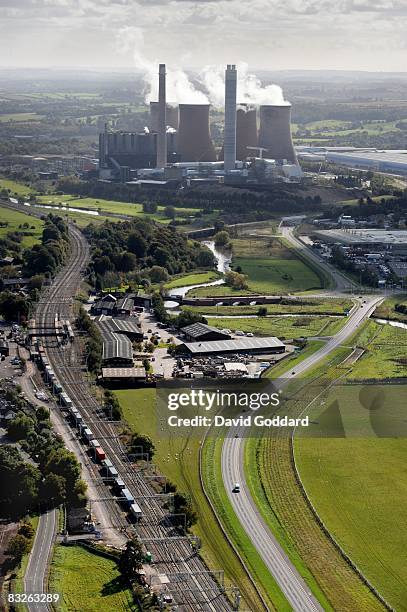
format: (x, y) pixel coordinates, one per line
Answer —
(203, 305)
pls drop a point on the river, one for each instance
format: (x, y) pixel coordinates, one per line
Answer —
(223, 262)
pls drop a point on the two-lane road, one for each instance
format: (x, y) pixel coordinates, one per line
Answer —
(286, 575)
(36, 574)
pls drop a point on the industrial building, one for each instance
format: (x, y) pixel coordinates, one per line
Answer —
(117, 350)
(129, 327)
(367, 239)
(251, 346)
(200, 332)
(179, 138)
(380, 161)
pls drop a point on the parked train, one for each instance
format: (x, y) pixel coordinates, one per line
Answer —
(109, 471)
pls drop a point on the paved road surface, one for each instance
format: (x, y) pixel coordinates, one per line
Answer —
(35, 579)
(291, 583)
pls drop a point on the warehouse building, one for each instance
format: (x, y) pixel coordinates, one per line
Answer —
(251, 346)
(200, 332)
(369, 239)
(117, 350)
(392, 161)
(129, 327)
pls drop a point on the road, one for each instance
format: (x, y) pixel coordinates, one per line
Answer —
(35, 579)
(286, 575)
(342, 283)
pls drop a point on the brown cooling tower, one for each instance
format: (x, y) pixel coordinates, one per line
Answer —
(194, 139)
(275, 132)
(171, 116)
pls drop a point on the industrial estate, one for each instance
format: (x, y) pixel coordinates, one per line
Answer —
(181, 252)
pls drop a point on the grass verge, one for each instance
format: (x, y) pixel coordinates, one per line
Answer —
(87, 581)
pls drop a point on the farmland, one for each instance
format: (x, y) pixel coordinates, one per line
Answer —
(283, 327)
(110, 206)
(15, 188)
(270, 266)
(15, 219)
(307, 306)
(360, 491)
(177, 457)
(87, 581)
(192, 279)
(385, 352)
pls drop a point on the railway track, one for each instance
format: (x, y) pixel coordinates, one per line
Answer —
(190, 584)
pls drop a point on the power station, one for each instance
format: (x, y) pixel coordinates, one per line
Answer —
(256, 145)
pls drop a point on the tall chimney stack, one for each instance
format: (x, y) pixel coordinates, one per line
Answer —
(162, 107)
(229, 138)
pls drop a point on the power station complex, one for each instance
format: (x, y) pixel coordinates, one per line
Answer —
(178, 140)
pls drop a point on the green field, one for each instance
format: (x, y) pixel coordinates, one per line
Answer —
(110, 206)
(309, 306)
(385, 356)
(177, 457)
(360, 490)
(271, 268)
(192, 279)
(386, 310)
(14, 219)
(87, 581)
(283, 327)
(15, 188)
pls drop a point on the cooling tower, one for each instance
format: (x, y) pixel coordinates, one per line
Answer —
(246, 131)
(275, 132)
(229, 137)
(162, 130)
(194, 139)
(171, 116)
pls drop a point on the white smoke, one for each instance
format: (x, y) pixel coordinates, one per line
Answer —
(180, 89)
(249, 87)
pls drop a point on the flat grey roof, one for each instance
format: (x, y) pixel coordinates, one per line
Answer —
(365, 236)
(238, 345)
(392, 156)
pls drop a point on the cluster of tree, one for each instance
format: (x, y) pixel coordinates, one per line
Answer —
(20, 544)
(140, 249)
(397, 205)
(52, 476)
(236, 280)
(401, 308)
(94, 343)
(207, 198)
(141, 445)
(11, 242)
(111, 406)
(47, 257)
(185, 317)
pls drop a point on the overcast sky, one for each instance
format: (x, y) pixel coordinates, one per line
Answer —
(268, 34)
